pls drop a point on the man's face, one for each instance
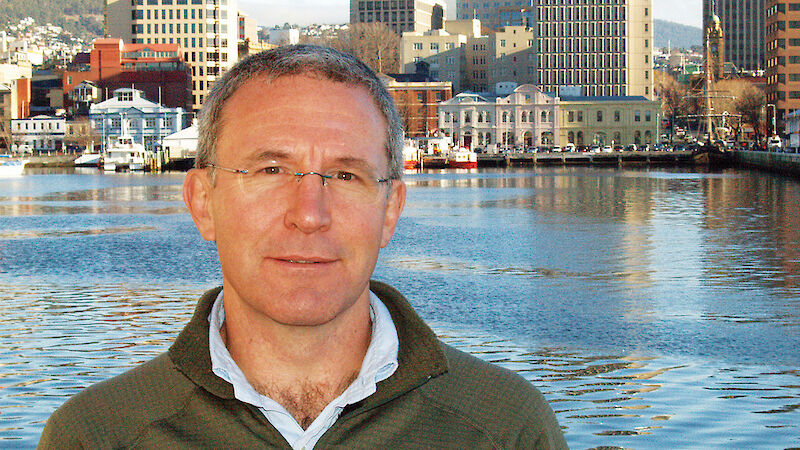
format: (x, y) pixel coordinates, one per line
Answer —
(301, 255)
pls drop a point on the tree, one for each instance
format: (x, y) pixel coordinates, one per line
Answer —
(5, 136)
(374, 43)
(673, 97)
(749, 103)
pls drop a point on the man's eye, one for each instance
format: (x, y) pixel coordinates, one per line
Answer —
(345, 176)
(272, 170)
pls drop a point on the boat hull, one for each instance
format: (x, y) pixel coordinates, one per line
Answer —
(11, 170)
(411, 164)
(462, 164)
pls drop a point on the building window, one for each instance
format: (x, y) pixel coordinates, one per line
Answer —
(417, 45)
(637, 116)
(599, 115)
(616, 116)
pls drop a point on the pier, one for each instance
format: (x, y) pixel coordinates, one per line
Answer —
(572, 158)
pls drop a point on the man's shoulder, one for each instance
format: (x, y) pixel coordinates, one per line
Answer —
(146, 393)
(501, 402)
(490, 385)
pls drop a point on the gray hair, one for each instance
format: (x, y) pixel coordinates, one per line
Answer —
(324, 62)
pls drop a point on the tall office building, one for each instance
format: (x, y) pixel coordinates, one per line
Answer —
(603, 46)
(206, 30)
(400, 15)
(783, 60)
(743, 23)
(494, 15)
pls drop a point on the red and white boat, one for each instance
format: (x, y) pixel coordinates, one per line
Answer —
(463, 158)
(411, 156)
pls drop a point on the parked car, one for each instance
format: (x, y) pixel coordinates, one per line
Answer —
(595, 149)
(569, 147)
(608, 149)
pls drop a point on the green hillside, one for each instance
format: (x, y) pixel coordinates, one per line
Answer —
(83, 18)
(676, 34)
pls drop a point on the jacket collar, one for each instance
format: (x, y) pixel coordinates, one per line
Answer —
(420, 356)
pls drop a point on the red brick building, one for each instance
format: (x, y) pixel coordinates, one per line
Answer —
(158, 70)
(783, 60)
(418, 102)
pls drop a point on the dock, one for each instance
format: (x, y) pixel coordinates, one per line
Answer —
(520, 159)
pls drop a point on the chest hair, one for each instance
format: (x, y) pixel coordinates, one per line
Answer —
(305, 400)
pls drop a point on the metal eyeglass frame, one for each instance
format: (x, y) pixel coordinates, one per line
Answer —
(299, 175)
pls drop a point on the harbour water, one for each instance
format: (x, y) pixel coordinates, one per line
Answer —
(654, 308)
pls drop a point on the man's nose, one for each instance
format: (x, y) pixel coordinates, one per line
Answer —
(309, 207)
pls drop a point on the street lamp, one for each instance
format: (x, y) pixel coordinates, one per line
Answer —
(771, 105)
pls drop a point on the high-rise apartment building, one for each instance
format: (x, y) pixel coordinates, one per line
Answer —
(206, 30)
(783, 60)
(400, 15)
(603, 46)
(744, 27)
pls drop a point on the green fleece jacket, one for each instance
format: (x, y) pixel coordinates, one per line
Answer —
(439, 397)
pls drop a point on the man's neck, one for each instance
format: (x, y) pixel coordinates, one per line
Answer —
(301, 367)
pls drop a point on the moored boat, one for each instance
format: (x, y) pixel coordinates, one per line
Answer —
(462, 158)
(125, 155)
(88, 159)
(411, 156)
(12, 167)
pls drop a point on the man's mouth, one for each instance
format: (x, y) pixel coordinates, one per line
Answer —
(300, 261)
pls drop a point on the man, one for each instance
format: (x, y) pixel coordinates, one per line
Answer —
(298, 182)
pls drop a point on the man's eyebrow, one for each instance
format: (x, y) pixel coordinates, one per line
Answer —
(355, 162)
(267, 155)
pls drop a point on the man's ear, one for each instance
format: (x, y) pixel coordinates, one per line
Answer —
(197, 189)
(394, 207)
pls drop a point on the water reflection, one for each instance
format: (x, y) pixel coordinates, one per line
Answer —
(655, 308)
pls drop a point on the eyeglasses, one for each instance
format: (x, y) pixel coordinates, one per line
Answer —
(352, 185)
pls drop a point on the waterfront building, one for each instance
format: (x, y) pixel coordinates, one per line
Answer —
(417, 102)
(608, 120)
(81, 135)
(525, 117)
(158, 70)
(181, 145)
(442, 50)
(792, 131)
(38, 133)
(744, 25)
(15, 102)
(147, 122)
(603, 46)
(783, 61)
(400, 15)
(206, 30)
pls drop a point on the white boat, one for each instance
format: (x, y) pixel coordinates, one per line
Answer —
(125, 155)
(88, 159)
(12, 167)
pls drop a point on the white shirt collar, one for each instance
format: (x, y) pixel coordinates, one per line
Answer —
(380, 362)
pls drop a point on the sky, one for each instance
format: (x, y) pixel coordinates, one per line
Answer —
(305, 12)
